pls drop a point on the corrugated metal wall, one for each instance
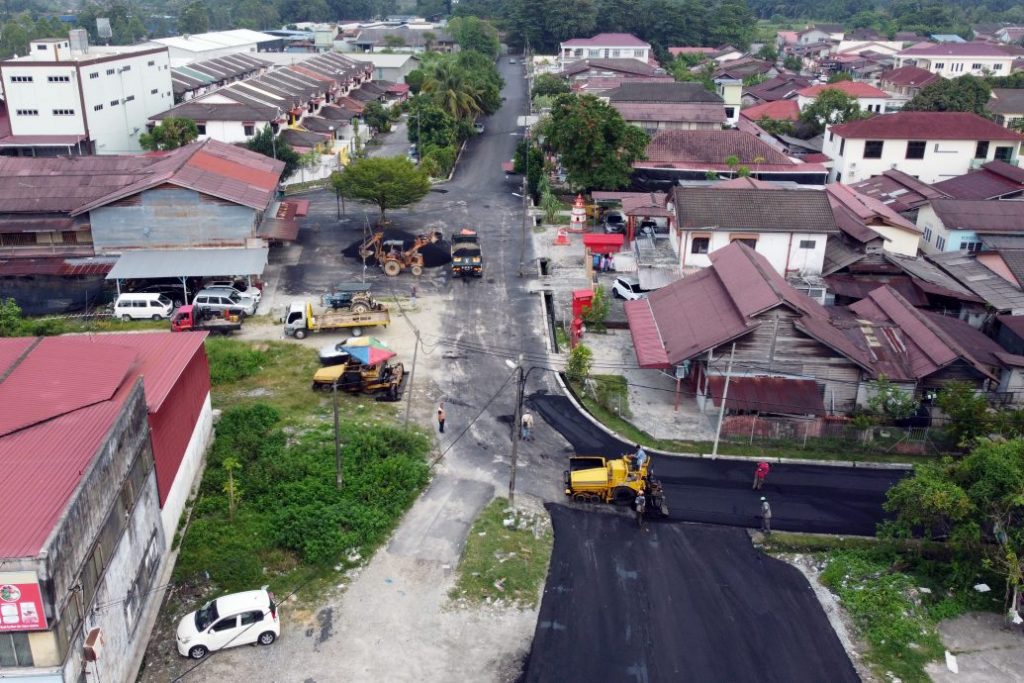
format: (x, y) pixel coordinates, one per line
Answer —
(172, 425)
(171, 217)
(52, 294)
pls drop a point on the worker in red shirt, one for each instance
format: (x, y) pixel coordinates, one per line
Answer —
(760, 472)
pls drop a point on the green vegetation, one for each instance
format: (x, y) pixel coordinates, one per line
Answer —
(268, 508)
(13, 324)
(577, 368)
(831, 106)
(388, 182)
(595, 314)
(611, 392)
(171, 133)
(549, 84)
(504, 562)
(377, 117)
(965, 93)
(474, 34)
(267, 144)
(596, 146)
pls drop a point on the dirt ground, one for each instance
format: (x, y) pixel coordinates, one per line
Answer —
(391, 619)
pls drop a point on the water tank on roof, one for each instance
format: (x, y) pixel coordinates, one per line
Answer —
(79, 40)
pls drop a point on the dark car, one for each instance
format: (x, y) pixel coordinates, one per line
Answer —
(174, 292)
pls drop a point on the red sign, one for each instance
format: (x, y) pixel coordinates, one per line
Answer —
(21, 607)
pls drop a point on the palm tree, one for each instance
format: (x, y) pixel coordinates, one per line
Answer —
(451, 91)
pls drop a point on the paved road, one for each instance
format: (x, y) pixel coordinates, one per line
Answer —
(678, 602)
(811, 498)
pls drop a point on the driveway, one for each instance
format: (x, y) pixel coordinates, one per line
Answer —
(678, 602)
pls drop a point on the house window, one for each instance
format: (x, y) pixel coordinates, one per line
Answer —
(27, 112)
(750, 241)
(700, 245)
(114, 103)
(638, 53)
(970, 246)
(1004, 154)
(127, 67)
(831, 136)
(915, 149)
(807, 244)
(939, 66)
(94, 74)
(249, 129)
(110, 72)
(940, 242)
(997, 67)
(63, 112)
(201, 127)
(976, 67)
(58, 79)
(129, 98)
(15, 650)
(153, 91)
(928, 235)
(981, 151)
(98, 107)
(150, 63)
(40, 47)
(21, 79)
(730, 112)
(842, 146)
(873, 149)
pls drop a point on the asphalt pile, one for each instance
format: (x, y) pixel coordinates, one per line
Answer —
(677, 602)
(434, 255)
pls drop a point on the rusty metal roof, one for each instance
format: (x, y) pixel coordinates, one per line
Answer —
(779, 395)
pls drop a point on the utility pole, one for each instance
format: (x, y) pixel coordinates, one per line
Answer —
(337, 440)
(517, 418)
(725, 394)
(412, 376)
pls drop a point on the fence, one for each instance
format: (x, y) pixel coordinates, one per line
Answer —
(836, 435)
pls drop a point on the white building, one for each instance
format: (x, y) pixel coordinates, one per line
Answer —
(958, 59)
(869, 98)
(83, 99)
(605, 46)
(388, 67)
(931, 146)
(202, 46)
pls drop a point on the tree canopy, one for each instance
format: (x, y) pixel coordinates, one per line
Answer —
(171, 133)
(194, 18)
(266, 143)
(474, 34)
(596, 145)
(965, 93)
(831, 106)
(388, 182)
(549, 84)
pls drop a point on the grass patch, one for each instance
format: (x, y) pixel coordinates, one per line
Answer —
(814, 450)
(231, 361)
(506, 563)
(788, 542)
(611, 392)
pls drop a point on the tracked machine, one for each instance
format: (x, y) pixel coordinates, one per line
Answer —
(594, 479)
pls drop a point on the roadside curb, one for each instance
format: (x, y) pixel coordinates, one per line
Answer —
(738, 458)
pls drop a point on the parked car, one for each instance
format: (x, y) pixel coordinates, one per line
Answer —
(174, 292)
(614, 221)
(222, 300)
(628, 289)
(478, 127)
(238, 286)
(511, 60)
(143, 306)
(230, 620)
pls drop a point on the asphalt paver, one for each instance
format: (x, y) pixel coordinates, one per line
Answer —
(677, 602)
(808, 498)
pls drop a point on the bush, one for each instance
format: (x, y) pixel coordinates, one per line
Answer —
(232, 360)
(442, 157)
(578, 367)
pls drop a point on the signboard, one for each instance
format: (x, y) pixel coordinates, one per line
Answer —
(21, 607)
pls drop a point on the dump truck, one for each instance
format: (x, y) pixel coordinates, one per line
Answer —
(191, 318)
(303, 319)
(594, 479)
(467, 258)
(386, 378)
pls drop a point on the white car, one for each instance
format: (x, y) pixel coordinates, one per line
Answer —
(253, 293)
(230, 620)
(628, 289)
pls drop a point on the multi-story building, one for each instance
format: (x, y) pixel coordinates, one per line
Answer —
(66, 96)
(187, 48)
(930, 146)
(958, 59)
(605, 46)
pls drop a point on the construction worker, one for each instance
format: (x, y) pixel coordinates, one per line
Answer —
(760, 472)
(640, 504)
(440, 417)
(640, 458)
(766, 516)
(527, 427)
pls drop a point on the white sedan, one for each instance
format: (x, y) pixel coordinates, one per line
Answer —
(628, 289)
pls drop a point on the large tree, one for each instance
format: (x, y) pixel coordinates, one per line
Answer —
(829, 107)
(966, 93)
(266, 143)
(194, 18)
(596, 145)
(388, 182)
(452, 90)
(171, 133)
(475, 34)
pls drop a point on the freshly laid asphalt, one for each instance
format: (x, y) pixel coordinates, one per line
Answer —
(678, 602)
(809, 498)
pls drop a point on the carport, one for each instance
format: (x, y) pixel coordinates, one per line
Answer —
(185, 263)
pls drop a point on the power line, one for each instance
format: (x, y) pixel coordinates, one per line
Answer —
(473, 421)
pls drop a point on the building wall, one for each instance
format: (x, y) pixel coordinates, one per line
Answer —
(575, 54)
(954, 67)
(170, 217)
(782, 249)
(188, 469)
(899, 241)
(870, 104)
(943, 159)
(936, 237)
(652, 127)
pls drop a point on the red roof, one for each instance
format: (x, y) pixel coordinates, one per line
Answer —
(60, 398)
(972, 49)
(607, 40)
(851, 88)
(769, 395)
(866, 208)
(925, 125)
(643, 328)
(779, 110)
(603, 243)
(912, 76)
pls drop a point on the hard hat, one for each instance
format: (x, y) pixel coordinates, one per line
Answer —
(641, 491)
(763, 498)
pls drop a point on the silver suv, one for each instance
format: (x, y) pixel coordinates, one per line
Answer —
(224, 300)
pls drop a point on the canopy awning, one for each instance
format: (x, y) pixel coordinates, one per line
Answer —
(603, 243)
(778, 395)
(650, 350)
(165, 263)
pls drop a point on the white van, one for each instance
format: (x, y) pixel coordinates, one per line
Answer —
(143, 306)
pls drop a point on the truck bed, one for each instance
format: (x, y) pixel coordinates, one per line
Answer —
(330, 320)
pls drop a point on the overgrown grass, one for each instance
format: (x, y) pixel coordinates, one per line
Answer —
(506, 563)
(611, 392)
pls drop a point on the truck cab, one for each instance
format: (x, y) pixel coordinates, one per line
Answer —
(300, 317)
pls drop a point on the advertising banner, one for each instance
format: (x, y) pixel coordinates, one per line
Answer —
(21, 607)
